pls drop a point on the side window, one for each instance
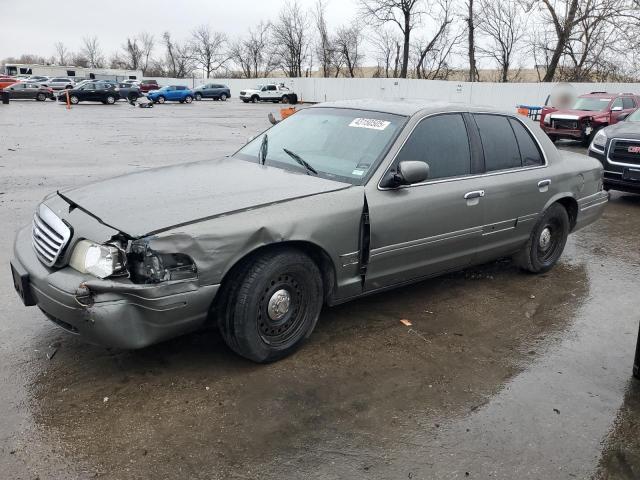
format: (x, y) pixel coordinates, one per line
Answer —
(498, 142)
(617, 103)
(628, 103)
(529, 151)
(443, 143)
(272, 87)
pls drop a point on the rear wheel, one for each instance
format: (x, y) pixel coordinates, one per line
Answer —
(271, 305)
(223, 97)
(198, 97)
(285, 99)
(547, 241)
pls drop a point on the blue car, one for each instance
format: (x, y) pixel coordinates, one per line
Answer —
(173, 93)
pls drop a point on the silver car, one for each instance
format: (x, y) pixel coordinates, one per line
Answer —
(338, 201)
(60, 83)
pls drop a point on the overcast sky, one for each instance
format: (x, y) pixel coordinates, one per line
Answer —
(33, 26)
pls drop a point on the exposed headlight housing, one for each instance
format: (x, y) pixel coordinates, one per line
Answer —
(148, 266)
(547, 119)
(101, 261)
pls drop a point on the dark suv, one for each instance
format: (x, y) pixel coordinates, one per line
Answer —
(618, 148)
(589, 113)
(93, 92)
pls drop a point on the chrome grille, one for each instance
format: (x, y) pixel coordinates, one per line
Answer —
(625, 152)
(49, 235)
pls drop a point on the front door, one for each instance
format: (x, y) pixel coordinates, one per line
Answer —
(432, 227)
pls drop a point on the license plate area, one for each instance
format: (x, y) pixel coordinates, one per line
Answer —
(21, 284)
(632, 174)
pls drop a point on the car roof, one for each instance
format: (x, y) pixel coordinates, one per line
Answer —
(606, 95)
(409, 107)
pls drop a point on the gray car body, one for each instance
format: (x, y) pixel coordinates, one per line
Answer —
(364, 238)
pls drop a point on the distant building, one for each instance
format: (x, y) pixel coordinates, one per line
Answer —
(70, 71)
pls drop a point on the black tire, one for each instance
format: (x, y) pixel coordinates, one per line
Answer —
(285, 99)
(74, 99)
(223, 97)
(587, 140)
(254, 295)
(160, 99)
(198, 97)
(245, 101)
(41, 97)
(547, 241)
(188, 99)
(255, 98)
(110, 100)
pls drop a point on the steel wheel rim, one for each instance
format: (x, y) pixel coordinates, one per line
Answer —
(549, 241)
(285, 326)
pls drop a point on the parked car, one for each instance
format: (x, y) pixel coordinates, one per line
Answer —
(215, 91)
(29, 91)
(42, 80)
(338, 201)
(618, 149)
(131, 81)
(173, 93)
(91, 92)
(60, 83)
(589, 114)
(147, 86)
(129, 91)
(268, 93)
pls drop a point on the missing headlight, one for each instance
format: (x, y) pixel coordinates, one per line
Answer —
(148, 266)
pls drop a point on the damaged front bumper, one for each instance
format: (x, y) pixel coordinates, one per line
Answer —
(112, 312)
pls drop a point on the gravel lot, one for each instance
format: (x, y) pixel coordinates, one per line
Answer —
(502, 375)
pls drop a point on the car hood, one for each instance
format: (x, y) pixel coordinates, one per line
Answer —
(156, 200)
(629, 130)
(575, 114)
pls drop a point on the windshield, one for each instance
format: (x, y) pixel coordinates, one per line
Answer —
(339, 144)
(591, 104)
(634, 117)
(163, 89)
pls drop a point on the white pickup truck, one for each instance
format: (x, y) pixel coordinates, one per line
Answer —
(270, 92)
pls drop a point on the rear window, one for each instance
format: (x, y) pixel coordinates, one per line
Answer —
(499, 143)
(529, 151)
(628, 103)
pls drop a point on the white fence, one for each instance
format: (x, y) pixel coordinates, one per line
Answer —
(498, 95)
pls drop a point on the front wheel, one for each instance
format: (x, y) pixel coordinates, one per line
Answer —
(223, 97)
(547, 241)
(188, 99)
(110, 100)
(198, 97)
(160, 99)
(271, 305)
(73, 99)
(254, 99)
(41, 97)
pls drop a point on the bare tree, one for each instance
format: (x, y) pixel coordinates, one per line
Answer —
(61, 53)
(430, 51)
(178, 57)
(470, 20)
(324, 49)
(502, 27)
(147, 44)
(209, 49)
(406, 14)
(348, 46)
(132, 53)
(290, 39)
(251, 53)
(387, 48)
(91, 51)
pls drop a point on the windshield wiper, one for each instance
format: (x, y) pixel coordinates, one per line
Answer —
(264, 148)
(301, 161)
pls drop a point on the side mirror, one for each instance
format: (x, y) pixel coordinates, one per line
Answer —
(616, 109)
(409, 172)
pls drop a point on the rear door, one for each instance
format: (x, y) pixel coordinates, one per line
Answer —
(17, 90)
(516, 183)
(432, 227)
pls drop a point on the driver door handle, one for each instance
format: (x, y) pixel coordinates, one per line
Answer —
(474, 194)
(544, 183)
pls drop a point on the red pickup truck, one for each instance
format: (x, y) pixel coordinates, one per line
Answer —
(589, 113)
(148, 85)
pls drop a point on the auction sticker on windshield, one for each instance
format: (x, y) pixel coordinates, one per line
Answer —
(371, 123)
